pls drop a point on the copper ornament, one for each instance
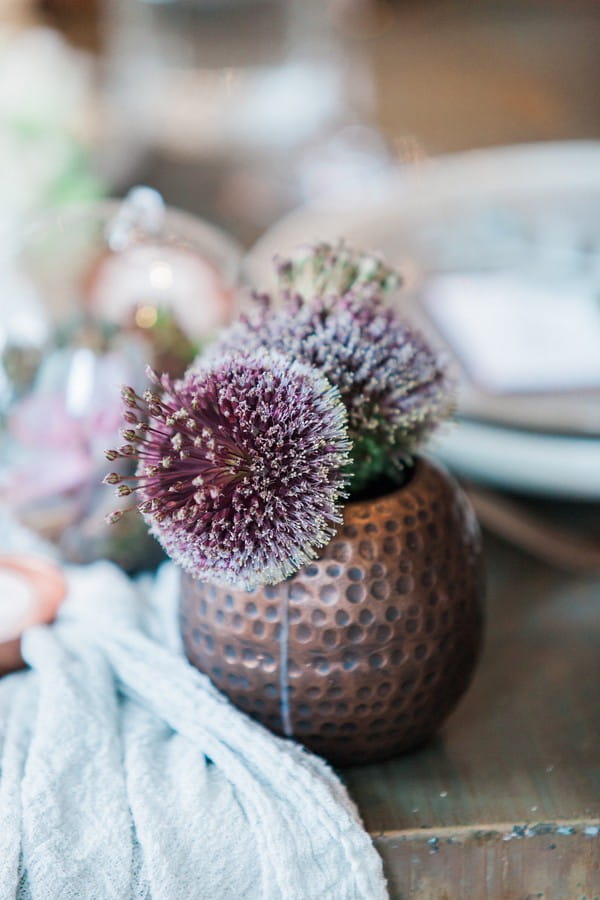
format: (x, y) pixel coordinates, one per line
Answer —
(362, 654)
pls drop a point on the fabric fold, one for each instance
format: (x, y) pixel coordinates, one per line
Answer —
(125, 773)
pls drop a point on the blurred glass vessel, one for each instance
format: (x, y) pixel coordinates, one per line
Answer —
(93, 295)
(244, 107)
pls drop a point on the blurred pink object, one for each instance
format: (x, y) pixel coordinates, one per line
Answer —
(54, 472)
(72, 413)
(43, 417)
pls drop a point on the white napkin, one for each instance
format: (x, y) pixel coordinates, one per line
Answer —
(125, 774)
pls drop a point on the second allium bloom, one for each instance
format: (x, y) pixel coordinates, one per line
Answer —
(330, 313)
(241, 466)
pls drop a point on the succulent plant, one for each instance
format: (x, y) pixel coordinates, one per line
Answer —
(330, 313)
(241, 466)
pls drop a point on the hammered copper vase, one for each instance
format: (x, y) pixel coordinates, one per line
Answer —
(363, 653)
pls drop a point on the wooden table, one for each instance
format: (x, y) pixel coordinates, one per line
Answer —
(506, 802)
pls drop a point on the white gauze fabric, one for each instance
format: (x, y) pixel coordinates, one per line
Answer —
(125, 774)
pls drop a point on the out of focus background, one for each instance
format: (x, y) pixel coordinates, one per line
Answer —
(238, 110)
(460, 139)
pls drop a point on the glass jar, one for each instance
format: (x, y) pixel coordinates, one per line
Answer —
(92, 296)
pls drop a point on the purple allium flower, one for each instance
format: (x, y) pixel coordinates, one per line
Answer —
(241, 466)
(393, 385)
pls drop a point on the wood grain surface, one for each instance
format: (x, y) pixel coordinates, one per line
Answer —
(505, 803)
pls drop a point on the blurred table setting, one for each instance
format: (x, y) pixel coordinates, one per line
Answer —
(501, 262)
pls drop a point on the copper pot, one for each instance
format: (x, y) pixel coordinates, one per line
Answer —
(363, 653)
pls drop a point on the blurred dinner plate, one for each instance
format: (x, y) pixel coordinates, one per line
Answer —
(563, 467)
(529, 211)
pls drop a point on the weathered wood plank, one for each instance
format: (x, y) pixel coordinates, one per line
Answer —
(559, 862)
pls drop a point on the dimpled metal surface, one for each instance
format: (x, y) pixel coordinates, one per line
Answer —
(383, 630)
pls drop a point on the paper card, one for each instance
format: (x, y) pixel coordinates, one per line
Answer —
(512, 334)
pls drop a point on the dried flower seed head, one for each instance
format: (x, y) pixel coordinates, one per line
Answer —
(394, 387)
(241, 468)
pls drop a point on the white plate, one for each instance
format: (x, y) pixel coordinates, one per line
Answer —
(563, 175)
(527, 462)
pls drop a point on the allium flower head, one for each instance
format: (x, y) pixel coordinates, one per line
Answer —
(241, 466)
(393, 385)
